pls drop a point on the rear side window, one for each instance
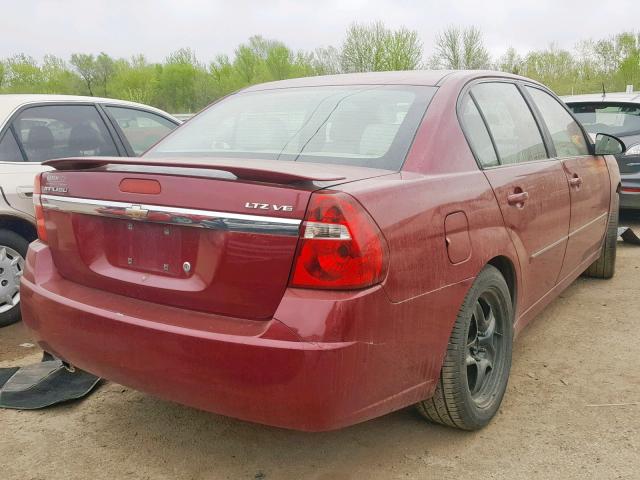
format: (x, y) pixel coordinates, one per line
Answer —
(566, 135)
(9, 150)
(476, 132)
(142, 129)
(370, 125)
(59, 131)
(510, 122)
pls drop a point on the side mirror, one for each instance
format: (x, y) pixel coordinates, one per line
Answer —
(609, 145)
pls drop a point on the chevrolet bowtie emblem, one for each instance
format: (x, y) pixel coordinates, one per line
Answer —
(136, 211)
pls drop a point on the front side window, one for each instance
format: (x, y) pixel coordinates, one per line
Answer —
(58, 131)
(142, 129)
(510, 122)
(614, 118)
(477, 133)
(566, 135)
(9, 150)
(368, 125)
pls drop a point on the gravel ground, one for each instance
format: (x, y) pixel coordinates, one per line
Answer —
(556, 422)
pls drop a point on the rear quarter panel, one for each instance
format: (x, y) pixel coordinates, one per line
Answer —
(15, 176)
(440, 176)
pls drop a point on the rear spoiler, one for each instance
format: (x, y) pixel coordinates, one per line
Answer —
(274, 171)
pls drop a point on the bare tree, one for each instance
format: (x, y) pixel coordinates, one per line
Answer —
(374, 47)
(460, 49)
(510, 62)
(363, 48)
(326, 61)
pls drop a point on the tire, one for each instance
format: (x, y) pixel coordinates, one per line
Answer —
(13, 251)
(461, 399)
(605, 266)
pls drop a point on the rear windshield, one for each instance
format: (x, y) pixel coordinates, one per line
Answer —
(612, 118)
(370, 126)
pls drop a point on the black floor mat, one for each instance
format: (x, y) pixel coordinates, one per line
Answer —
(6, 374)
(43, 384)
(628, 235)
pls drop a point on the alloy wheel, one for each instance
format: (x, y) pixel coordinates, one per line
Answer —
(484, 349)
(11, 269)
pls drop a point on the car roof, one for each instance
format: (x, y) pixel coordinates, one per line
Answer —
(9, 103)
(633, 97)
(410, 77)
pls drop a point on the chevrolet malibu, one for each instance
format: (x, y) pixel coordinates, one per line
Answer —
(313, 253)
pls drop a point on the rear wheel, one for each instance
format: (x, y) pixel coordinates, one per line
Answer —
(13, 250)
(605, 266)
(476, 367)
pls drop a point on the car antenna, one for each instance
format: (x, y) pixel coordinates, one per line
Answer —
(604, 92)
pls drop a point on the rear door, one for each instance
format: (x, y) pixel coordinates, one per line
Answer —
(530, 187)
(44, 132)
(587, 176)
(16, 176)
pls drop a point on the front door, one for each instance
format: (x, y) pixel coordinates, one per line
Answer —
(588, 179)
(531, 188)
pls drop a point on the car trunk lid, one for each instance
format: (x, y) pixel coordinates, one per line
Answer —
(217, 237)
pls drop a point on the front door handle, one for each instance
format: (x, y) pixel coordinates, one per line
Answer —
(575, 180)
(517, 199)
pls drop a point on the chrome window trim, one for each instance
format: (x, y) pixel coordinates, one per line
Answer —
(186, 217)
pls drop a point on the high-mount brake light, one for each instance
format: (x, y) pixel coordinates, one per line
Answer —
(340, 247)
(37, 191)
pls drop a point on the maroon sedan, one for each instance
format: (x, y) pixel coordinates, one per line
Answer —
(316, 252)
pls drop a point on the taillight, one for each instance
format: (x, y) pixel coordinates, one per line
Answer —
(340, 245)
(40, 228)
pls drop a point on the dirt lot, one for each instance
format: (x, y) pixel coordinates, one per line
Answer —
(581, 353)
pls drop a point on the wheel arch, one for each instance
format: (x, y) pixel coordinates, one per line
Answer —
(22, 227)
(508, 271)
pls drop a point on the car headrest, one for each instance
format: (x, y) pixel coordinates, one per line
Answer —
(40, 138)
(84, 137)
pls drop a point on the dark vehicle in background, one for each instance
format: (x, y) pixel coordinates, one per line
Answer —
(617, 114)
(315, 252)
(35, 128)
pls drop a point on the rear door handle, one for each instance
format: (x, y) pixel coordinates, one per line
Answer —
(25, 192)
(575, 181)
(518, 199)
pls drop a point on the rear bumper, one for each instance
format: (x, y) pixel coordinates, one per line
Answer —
(261, 371)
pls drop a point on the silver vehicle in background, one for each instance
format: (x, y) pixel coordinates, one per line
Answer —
(35, 128)
(617, 114)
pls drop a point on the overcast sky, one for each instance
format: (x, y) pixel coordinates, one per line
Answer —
(158, 27)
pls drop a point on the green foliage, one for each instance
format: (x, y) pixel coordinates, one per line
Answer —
(23, 74)
(181, 83)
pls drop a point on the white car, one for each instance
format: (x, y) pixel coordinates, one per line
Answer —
(35, 128)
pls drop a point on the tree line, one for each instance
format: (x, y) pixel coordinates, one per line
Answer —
(182, 83)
